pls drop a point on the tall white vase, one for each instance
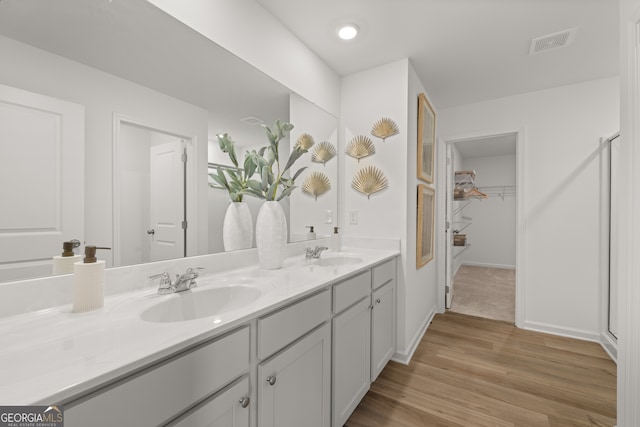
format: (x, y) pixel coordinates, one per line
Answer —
(271, 235)
(237, 228)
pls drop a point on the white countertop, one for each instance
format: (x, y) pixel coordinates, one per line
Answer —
(53, 355)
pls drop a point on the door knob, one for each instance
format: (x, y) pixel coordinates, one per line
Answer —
(152, 231)
(244, 401)
(271, 380)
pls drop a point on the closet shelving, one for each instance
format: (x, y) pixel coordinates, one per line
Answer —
(465, 186)
(464, 191)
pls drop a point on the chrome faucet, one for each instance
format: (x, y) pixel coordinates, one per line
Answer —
(315, 252)
(183, 282)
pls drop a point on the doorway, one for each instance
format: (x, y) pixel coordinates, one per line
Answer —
(150, 192)
(481, 226)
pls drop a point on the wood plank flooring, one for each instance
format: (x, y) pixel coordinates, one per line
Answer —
(469, 371)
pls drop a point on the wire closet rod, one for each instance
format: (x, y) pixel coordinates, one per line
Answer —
(501, 191)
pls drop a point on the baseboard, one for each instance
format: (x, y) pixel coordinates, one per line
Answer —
(489, 265)
(562, 331)
(610, 346)
(405, 357)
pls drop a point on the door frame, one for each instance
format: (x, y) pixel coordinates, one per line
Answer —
(520, 287)
(190, 187)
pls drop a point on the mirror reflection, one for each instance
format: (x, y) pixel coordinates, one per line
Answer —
(99, 105)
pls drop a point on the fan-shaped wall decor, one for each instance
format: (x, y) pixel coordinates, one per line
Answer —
(369, 180)
(384, 128)
(360, 146)
(305, 141)
(316, 184)
(323, 152)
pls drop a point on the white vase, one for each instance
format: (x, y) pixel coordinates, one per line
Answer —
(271, 235)
(237, 228)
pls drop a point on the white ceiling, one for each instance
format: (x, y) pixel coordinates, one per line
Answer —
(464, 51)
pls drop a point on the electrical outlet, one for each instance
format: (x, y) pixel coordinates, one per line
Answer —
(353, 217)
(328, 216)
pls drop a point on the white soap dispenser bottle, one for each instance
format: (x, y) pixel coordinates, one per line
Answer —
(311, 235)
(336, 242)
(88, 282)
(63, 264)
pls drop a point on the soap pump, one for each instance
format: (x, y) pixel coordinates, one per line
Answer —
(311, 234)
(63, 263)
(336, 242)
(88, 282)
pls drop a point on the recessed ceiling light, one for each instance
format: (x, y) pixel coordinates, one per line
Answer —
(348, 32)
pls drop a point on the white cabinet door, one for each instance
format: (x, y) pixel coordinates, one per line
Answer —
(294, 385)
(383, 333)
(229, 408)
(351, 359)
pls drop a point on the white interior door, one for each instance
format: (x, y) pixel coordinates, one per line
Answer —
(449, 229)
(167, 201)
(42, 156)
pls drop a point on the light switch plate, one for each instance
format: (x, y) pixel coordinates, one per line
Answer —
(353, 217)
(328, 216)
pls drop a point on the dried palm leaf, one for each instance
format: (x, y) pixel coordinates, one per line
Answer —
(316, 184)
(305, 141)
(323, 152)
(369, 180)
(360, 146)
(384, 128)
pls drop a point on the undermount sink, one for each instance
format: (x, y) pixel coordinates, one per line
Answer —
(334, 261)
(200, 303)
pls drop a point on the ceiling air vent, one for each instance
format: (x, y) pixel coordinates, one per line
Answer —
(251, 120)
(552, 41)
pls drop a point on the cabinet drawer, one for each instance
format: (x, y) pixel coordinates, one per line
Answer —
(226, 408)
(290, 323)
(351, 291)
(383, 273)
(159, 393)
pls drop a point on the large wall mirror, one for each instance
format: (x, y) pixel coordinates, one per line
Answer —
(100, 100)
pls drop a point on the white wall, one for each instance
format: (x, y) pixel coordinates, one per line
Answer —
(561, 201)
(421, 297)
(247, 30)
(388, 91)
(104, 95)
(308, 118)
(493, 233)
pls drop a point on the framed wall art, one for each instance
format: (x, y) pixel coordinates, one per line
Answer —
(424, 229)
(426, 138)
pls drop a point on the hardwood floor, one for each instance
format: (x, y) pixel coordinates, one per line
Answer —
(469, 371)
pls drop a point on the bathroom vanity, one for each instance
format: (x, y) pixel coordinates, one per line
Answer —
(290, 347)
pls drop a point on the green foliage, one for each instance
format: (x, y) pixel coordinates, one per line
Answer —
(234, 180)
(267, 165)
(264, 163)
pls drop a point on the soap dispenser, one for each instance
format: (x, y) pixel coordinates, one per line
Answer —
(63, 264)
(88, 282)
(336, 242)
(311, 235)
